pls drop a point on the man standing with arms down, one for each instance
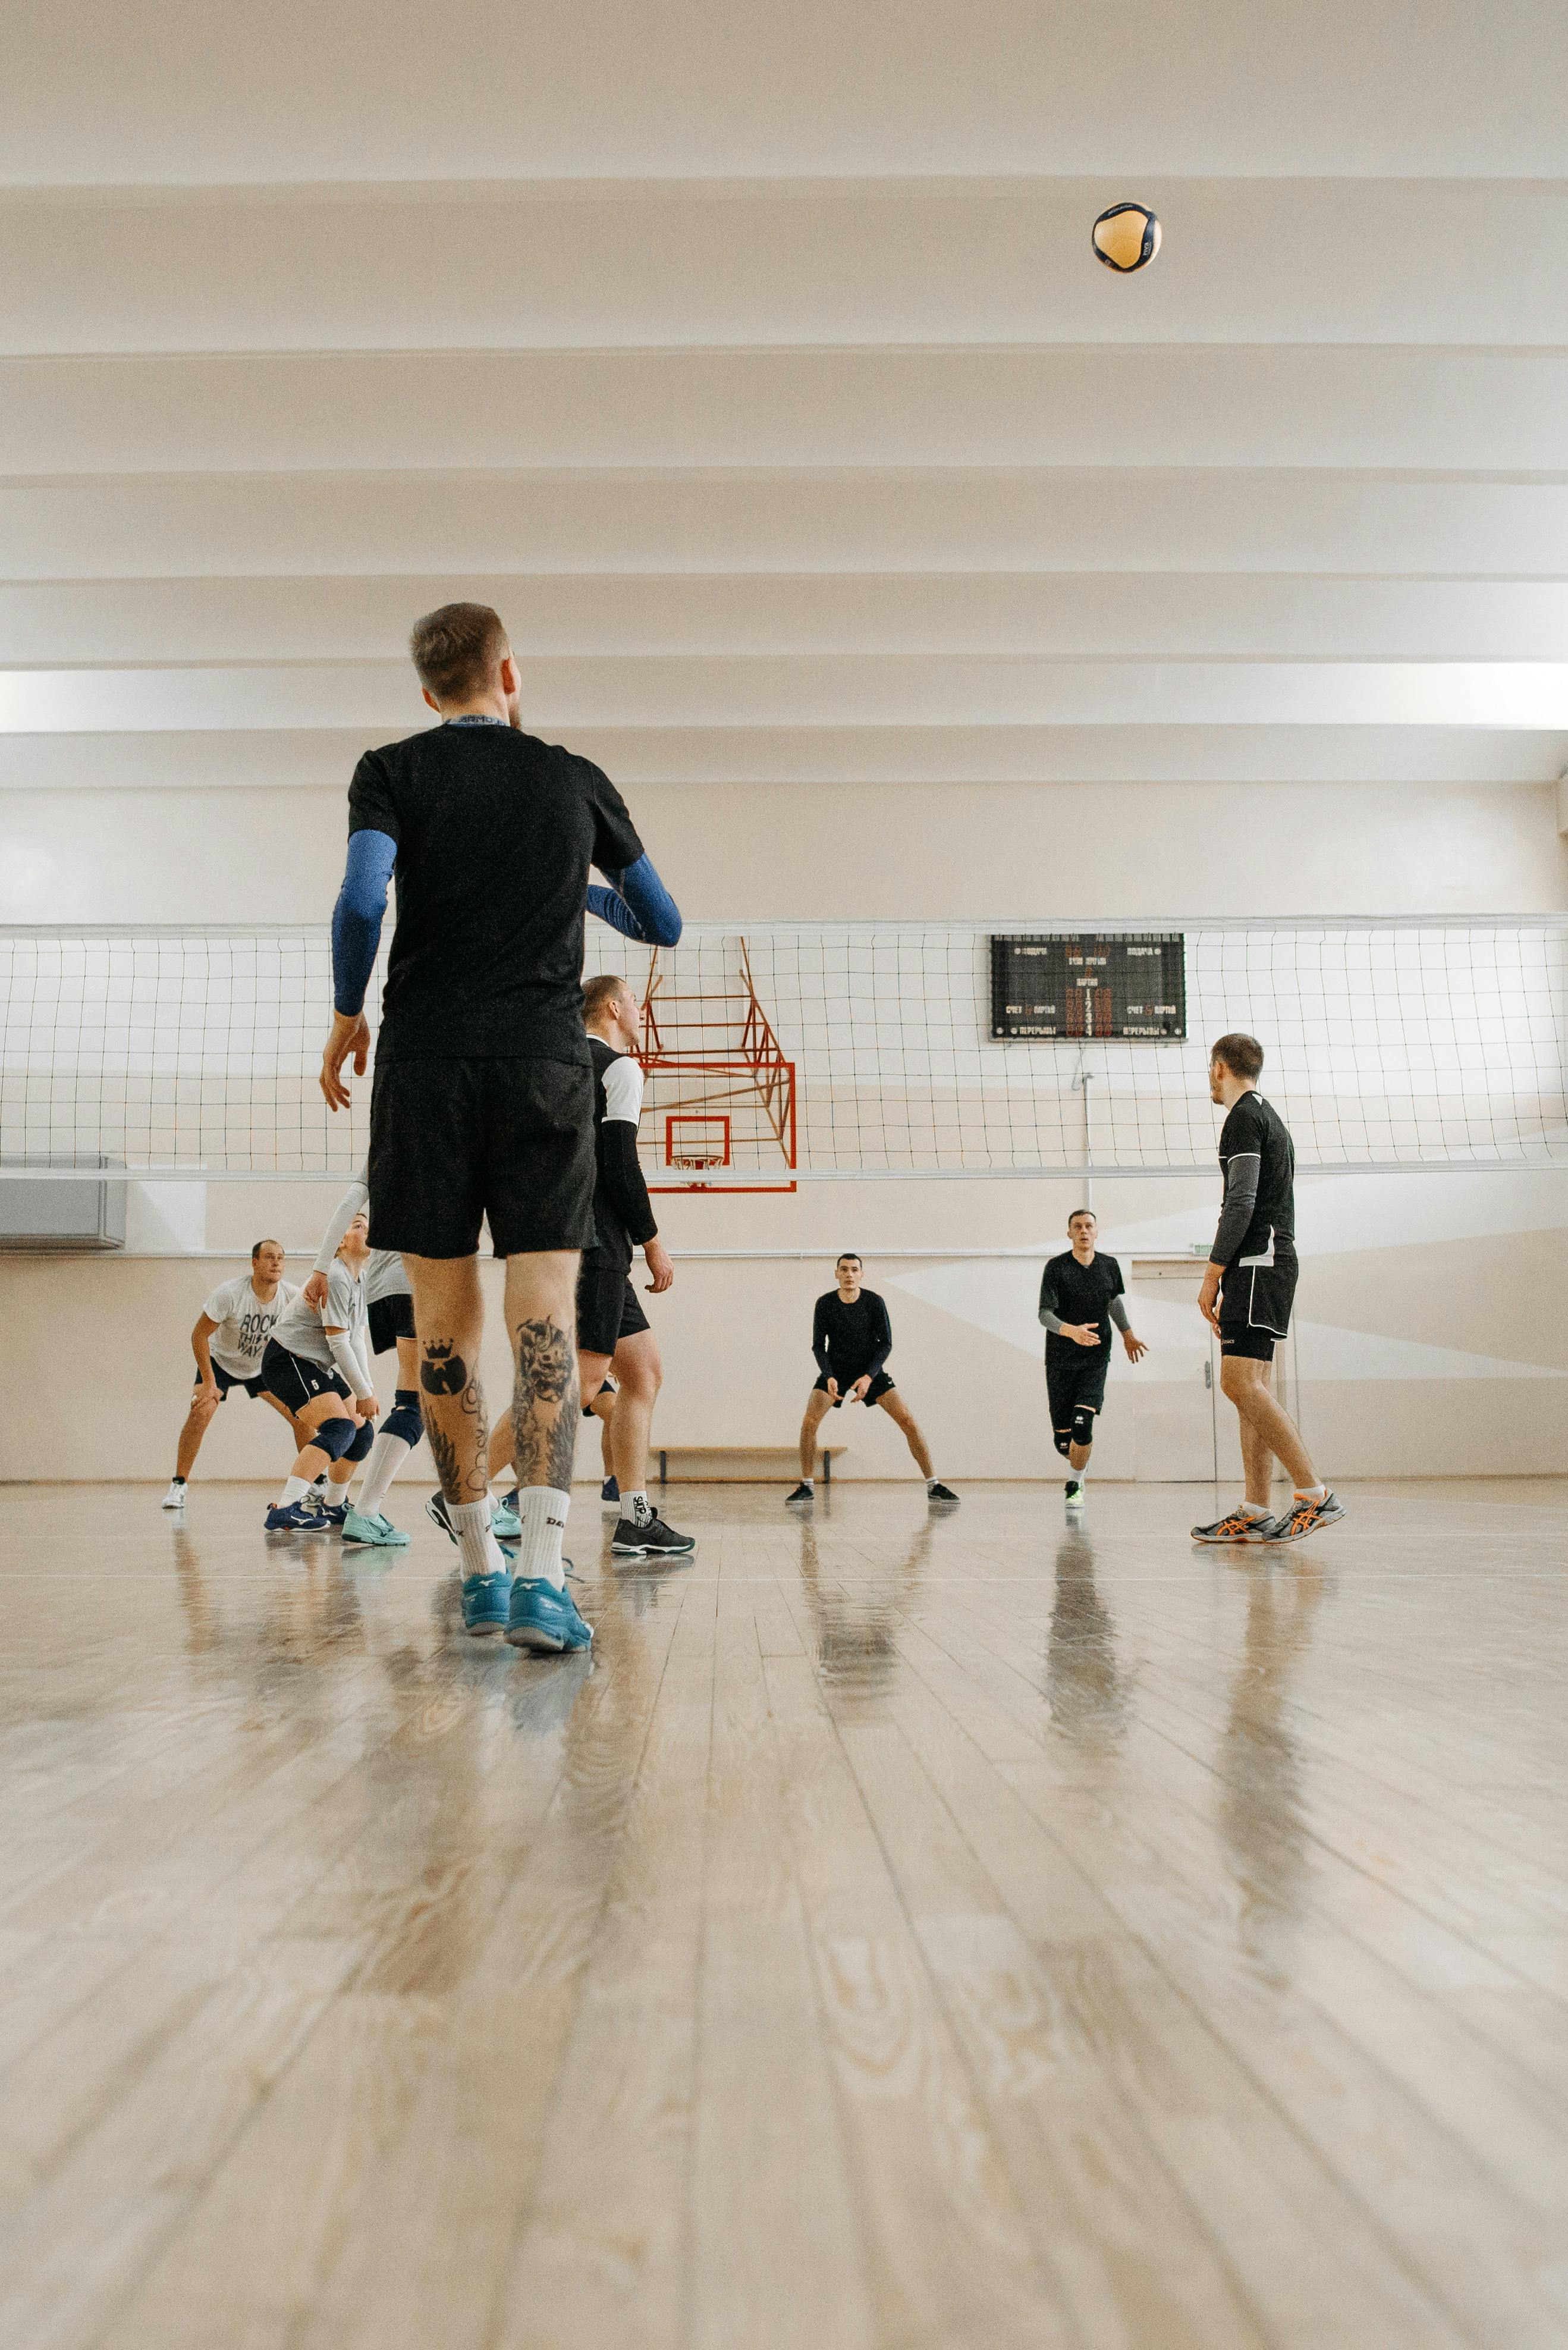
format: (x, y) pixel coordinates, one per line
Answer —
(1248, 1285)
(483, 1096)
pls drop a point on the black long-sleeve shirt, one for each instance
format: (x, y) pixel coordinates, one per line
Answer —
(1258, 1221)
(851, 1340)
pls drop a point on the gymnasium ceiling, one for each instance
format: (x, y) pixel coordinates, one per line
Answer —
(754, 361)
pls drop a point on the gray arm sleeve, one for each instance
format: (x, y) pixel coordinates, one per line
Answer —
(1241, 1199)
(1117, 1310)
(1049, 1316)
(356, 1197)
(343, 1352)
(1052, 1322)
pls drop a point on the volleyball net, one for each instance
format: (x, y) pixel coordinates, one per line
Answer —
(782, 1054)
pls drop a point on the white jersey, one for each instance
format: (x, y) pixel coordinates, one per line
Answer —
(385, 1277)
(304, 1331)
(244, 1324)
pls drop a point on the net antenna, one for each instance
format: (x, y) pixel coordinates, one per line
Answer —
(721, 1088)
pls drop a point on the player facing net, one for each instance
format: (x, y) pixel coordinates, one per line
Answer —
(781, 1053)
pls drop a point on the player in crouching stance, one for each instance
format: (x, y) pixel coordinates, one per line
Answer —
(1080, 1295)
(315, 1365)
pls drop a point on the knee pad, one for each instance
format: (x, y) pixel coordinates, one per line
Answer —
(405, 1418)
(1061, 1438)
(364, 1437)
(334, 1437)
(1082, 1428)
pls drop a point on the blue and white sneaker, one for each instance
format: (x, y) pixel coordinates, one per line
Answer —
(484, 1603)
(296, 1518)
(609, 1490)
(544, 1619)
(335, 1513)
(505, 1522)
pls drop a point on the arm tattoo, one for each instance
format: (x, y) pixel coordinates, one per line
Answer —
(544, 1406)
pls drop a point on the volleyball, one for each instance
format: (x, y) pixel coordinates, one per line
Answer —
(1126, 238)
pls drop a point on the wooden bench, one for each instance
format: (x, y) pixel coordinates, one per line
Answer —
(771, 1463)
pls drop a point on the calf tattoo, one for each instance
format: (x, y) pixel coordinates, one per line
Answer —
(544, 1406)
(460, 1439)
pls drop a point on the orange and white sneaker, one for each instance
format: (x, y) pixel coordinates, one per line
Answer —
(1236, 1526)
(1304, 1516)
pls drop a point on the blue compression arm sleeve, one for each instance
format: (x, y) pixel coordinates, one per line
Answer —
(638, 904)
(356, 917)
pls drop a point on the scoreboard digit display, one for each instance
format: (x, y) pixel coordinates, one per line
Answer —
(1090, 983)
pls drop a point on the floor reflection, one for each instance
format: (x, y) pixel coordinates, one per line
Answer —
(1086, 1687)
(855, 1609)
(1260, 1763)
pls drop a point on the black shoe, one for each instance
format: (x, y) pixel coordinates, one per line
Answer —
(937, 1491)
(440, 1514)
(802, 1492)
(654, 1540)
(1073, 1493)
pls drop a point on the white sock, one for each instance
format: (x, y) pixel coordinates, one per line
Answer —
(482, 1554)
(637, 1507)
(388, 1455)
(808, 1482)
(1309, 1493)
(1077, 1476)
(1255, 1510)
(295, 1490)
(543, 1511)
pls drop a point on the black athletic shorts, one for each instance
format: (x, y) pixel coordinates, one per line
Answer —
(1075, 1382)
(390, 1318)
(293, 1380)
(880, 1387)
(608, 1308)
(1255, 1302)
(455, 1141)
(606, 1386)
(227, 1379)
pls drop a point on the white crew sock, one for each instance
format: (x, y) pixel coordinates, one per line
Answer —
(1309, 1493)
(388, 1455)
(637, 1507)
(1077, 1476)
(1255, 1510)
(808, 1482)
(482, 1554)
(543, 1511)
(295, 1490)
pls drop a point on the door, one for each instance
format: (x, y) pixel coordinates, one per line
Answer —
(1173, 1391)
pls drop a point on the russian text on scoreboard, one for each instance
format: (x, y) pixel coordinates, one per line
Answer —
(1089, 984)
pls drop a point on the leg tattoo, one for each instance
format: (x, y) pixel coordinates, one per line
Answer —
(460, 1451)
(544, 1406)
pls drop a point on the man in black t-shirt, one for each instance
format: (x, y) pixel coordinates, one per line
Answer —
(1080, 1297)
(852, 1338)
(484, 1097)
(1249, 1286)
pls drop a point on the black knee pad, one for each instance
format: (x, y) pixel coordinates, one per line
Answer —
(1061, 1438)
(1082, 1427)
(334, 1437)
(405, 1418)
(364, 1437)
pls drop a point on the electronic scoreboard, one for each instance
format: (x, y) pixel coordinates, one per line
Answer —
(1090, 983)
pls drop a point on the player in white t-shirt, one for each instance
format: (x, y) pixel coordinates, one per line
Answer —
(228, 1342)
(388, 1298)
(316, 1364)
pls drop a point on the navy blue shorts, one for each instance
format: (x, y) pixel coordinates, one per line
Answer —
(227, 1379)
(294, 1381)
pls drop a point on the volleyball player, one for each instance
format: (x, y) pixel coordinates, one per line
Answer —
(389, 1313)
(484, 1095)
(315, 1365)
(852, 1337)
(228, 1341)
(1248, 1288)
(612, 1328)
(1080, 1295)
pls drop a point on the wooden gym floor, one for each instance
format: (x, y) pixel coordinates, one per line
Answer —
(904, 1935)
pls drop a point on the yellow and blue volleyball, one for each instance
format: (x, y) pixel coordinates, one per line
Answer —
(1126, 238)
